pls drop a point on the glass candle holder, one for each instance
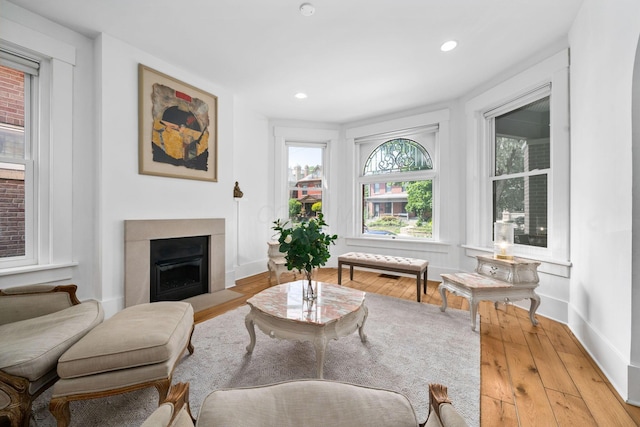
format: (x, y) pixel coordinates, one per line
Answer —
(503, 240)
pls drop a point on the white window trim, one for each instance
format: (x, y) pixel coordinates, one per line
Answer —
(285, 136)
(553, 71)
(53, 178)
(439, 118)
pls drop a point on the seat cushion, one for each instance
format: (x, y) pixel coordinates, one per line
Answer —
(386, 261)
(307, 403)
(32, 347)
(140, 335)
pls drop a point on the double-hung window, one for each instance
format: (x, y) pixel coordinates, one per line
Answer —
(305, 172)
(518, 152)
(521, 167)
(18, 83)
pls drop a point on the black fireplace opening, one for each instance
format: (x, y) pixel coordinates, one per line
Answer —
(179, 268)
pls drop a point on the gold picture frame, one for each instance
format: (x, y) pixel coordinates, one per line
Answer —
(178, 128)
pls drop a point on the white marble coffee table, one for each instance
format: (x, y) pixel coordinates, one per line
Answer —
(281, 313)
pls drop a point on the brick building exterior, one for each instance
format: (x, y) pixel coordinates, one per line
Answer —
(12, 190)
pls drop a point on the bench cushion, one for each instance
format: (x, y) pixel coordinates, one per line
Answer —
(386, 261)
(307, 403)
(140, 335)
(32, 347)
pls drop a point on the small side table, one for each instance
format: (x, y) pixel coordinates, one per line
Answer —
(496, 280)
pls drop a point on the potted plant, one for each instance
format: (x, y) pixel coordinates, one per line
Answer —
(306, 246)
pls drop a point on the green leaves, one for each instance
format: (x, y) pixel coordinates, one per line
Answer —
(306, 246)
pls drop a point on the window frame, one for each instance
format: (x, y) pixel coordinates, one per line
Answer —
(365, 150)
(398, 128)
(53, 254)
(523, 88)
(285, 136)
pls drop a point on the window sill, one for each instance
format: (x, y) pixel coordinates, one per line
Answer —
(32, 274)
(561, 268)
(398, 243)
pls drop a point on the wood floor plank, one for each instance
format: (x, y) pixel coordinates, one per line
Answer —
(604, 406)
(560, 337)
(532, 404)
(570, 410)
(510, 327)
(493, 365)
(552, 371)
(496, 413)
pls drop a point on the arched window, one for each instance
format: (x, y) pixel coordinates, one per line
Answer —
(397, 155)
(397, 185)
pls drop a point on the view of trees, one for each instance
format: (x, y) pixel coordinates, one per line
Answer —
(509, 193)
(295, 207)
(419, 198)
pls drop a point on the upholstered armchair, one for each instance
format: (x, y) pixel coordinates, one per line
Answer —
(304, 402)
(38, 323)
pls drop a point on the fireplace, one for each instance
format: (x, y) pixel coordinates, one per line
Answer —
(139, 235)
(179, 268)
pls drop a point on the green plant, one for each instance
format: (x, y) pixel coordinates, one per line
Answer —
(305, 245)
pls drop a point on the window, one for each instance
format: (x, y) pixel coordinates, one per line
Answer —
(18, 75)
(521, 167)
(397, 185)
(518, 168)
(47, 65)
(306, 180)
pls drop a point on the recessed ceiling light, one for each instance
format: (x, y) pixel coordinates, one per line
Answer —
(300, 95)
(307, 9)
(447, 46)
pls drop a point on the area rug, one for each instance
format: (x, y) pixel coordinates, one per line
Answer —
(409, 345)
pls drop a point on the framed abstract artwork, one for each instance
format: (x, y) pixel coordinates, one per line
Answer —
(178, 128)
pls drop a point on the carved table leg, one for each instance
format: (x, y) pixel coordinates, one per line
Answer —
(320, 344)
(443, 294)
(535, 303)
(248, 322)
(473, 308)
(363, 336)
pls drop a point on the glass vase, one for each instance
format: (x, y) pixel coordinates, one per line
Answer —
(308, 289)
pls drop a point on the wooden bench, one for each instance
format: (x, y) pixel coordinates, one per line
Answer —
(413, 266)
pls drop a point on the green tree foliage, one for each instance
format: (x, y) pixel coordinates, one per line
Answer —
(295, 207)
(509, 193)
(419, 198)
(316, 207)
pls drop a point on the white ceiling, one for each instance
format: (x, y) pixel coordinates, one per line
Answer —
(354, 58)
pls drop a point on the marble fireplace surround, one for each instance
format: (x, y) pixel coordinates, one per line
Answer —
(137, 237)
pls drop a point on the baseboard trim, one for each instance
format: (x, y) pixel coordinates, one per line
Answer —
(605, 355)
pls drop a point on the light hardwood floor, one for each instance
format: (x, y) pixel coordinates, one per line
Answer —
(530, 376)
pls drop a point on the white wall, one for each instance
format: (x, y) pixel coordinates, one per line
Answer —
(603, 43)
(251, 168)
(126, 194)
